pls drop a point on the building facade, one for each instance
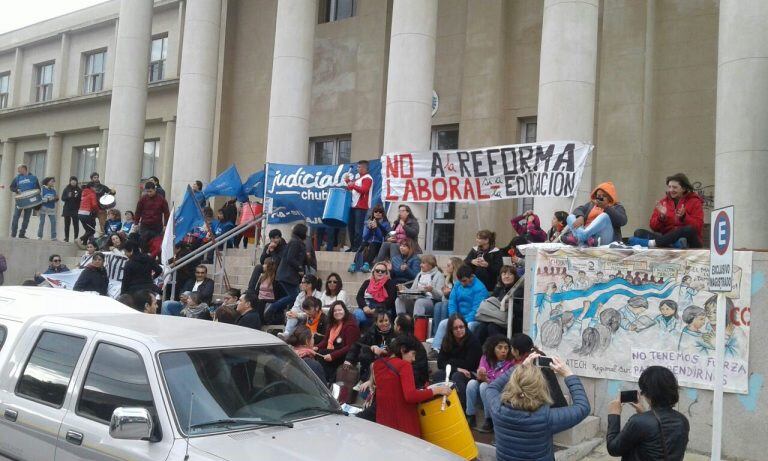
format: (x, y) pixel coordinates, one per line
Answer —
(329, 81)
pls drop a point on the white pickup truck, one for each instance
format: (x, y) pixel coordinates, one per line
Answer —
(84, 377)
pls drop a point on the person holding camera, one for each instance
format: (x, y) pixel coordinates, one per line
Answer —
(528, 225)
(658, 433)
(376, 229)
(520, 405)
(599, 221)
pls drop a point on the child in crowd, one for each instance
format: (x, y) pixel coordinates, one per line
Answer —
(528, 225)
(559, 226)
(127, 223)
(496, 360)
(113, 225)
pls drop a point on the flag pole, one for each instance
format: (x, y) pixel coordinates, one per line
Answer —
(266, 210)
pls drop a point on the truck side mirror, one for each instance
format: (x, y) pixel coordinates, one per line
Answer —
(130, 423)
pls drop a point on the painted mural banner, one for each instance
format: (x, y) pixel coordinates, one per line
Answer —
(611, 313)
(299, 192)
(549, 169)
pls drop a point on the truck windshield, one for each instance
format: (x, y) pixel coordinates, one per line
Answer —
(255, 383)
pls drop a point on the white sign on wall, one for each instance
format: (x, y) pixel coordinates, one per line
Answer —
(721, 251)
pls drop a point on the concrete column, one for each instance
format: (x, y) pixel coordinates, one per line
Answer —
(101, 159)
(197, 95)
(567, 74)
(481, 123)
(741, 140)
(129, 101)
(411, 71)
(7, 172)
(291, 89)
(61, 70)
(166, 157)
(53, 157)
(15, 83)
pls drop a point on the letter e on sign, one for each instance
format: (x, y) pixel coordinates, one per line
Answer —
(721, 250)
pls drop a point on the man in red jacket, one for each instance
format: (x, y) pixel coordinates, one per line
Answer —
(360, 185)
(677, 220)
(151, 214)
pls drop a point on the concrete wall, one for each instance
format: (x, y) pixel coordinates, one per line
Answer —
(743, 415)
(25, 257)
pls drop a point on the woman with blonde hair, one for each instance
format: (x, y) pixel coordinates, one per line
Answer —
(523, 419)
(440, 309)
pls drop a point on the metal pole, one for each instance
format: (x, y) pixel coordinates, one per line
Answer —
(265, 212)
(717, 402)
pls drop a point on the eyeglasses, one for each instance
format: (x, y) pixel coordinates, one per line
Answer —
(459, 327)
(333, 281)
(57, 260)
(380, 271)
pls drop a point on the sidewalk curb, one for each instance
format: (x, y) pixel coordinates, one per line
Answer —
(579, 451)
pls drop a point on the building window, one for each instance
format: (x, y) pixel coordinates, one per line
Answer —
(157, 59)
(441, 217)
(35, 161)
(93, 78)
(331, 151)
(44, 82)
(4, 78)
(527, 136)
(86, 161)
(151, 156)
(335, 10)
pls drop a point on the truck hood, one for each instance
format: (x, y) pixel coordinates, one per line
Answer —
(329, 438)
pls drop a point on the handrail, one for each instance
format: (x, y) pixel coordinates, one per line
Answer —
(510, 295)
(205, 248)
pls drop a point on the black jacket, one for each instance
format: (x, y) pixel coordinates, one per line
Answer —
(70, 198)
(205, 290)
(293, 261)
(277, 254)
(488, 275)
(93, 279)
(466, 355)
(361, 350)
(640, 440)
(389, 303)
(250, 320)
(137, 273)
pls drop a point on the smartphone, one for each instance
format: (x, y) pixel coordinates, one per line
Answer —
(544, 362)
(629, 397)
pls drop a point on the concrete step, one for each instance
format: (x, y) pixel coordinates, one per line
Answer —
(585, 430)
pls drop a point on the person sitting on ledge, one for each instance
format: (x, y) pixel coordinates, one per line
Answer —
(599, 221)
(677, 219)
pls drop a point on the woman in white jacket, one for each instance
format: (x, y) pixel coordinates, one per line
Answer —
(429, 282)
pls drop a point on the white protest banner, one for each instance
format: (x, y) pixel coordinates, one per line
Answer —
(112, 263)
(549, 169)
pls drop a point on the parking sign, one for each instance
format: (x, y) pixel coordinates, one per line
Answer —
(721, 250)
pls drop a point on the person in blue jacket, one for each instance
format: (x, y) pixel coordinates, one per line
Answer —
(406, 264)
(48, 208)
(520, 405)
(23, 182)
(465, 299)
(375, 231)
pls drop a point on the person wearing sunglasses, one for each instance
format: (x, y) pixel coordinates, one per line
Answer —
(599, 221)
(379, 291)
(54, 267)
(333, 290)
(308, 288)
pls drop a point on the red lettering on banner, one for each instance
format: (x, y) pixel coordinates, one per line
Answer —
(469, 192)
(410, 189)
(480, 195)
(400, 166)
(740, 317)
(437, 184)
(453, 184)
(424, 193)
(388, 195)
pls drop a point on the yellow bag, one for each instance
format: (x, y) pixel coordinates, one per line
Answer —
(447, 429)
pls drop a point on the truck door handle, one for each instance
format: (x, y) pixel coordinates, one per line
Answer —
(11, 415)
(75, 438)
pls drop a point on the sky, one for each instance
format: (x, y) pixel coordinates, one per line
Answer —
(22, 13)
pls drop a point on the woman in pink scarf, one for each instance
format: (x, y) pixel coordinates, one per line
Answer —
(378, 292)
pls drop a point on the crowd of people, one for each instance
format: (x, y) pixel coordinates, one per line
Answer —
(372, 333)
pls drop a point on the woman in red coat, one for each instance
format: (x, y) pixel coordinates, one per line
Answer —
(89, 207)
(340, 335)
(396, 393)
(680, 214)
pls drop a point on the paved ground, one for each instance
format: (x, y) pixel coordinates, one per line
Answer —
(600, 454)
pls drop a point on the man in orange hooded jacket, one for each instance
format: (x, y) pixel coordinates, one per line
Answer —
(598, 221)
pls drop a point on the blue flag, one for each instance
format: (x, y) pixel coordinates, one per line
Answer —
(188, 216)
(254, 185)
(226, 184)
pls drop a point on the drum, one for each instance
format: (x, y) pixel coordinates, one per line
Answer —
(336, 212)
(107, 201)
(28, 199)
(447, 429)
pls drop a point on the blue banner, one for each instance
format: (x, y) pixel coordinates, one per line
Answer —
(228, 184)
(188, 216)
(254, 185)
(299, 192)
